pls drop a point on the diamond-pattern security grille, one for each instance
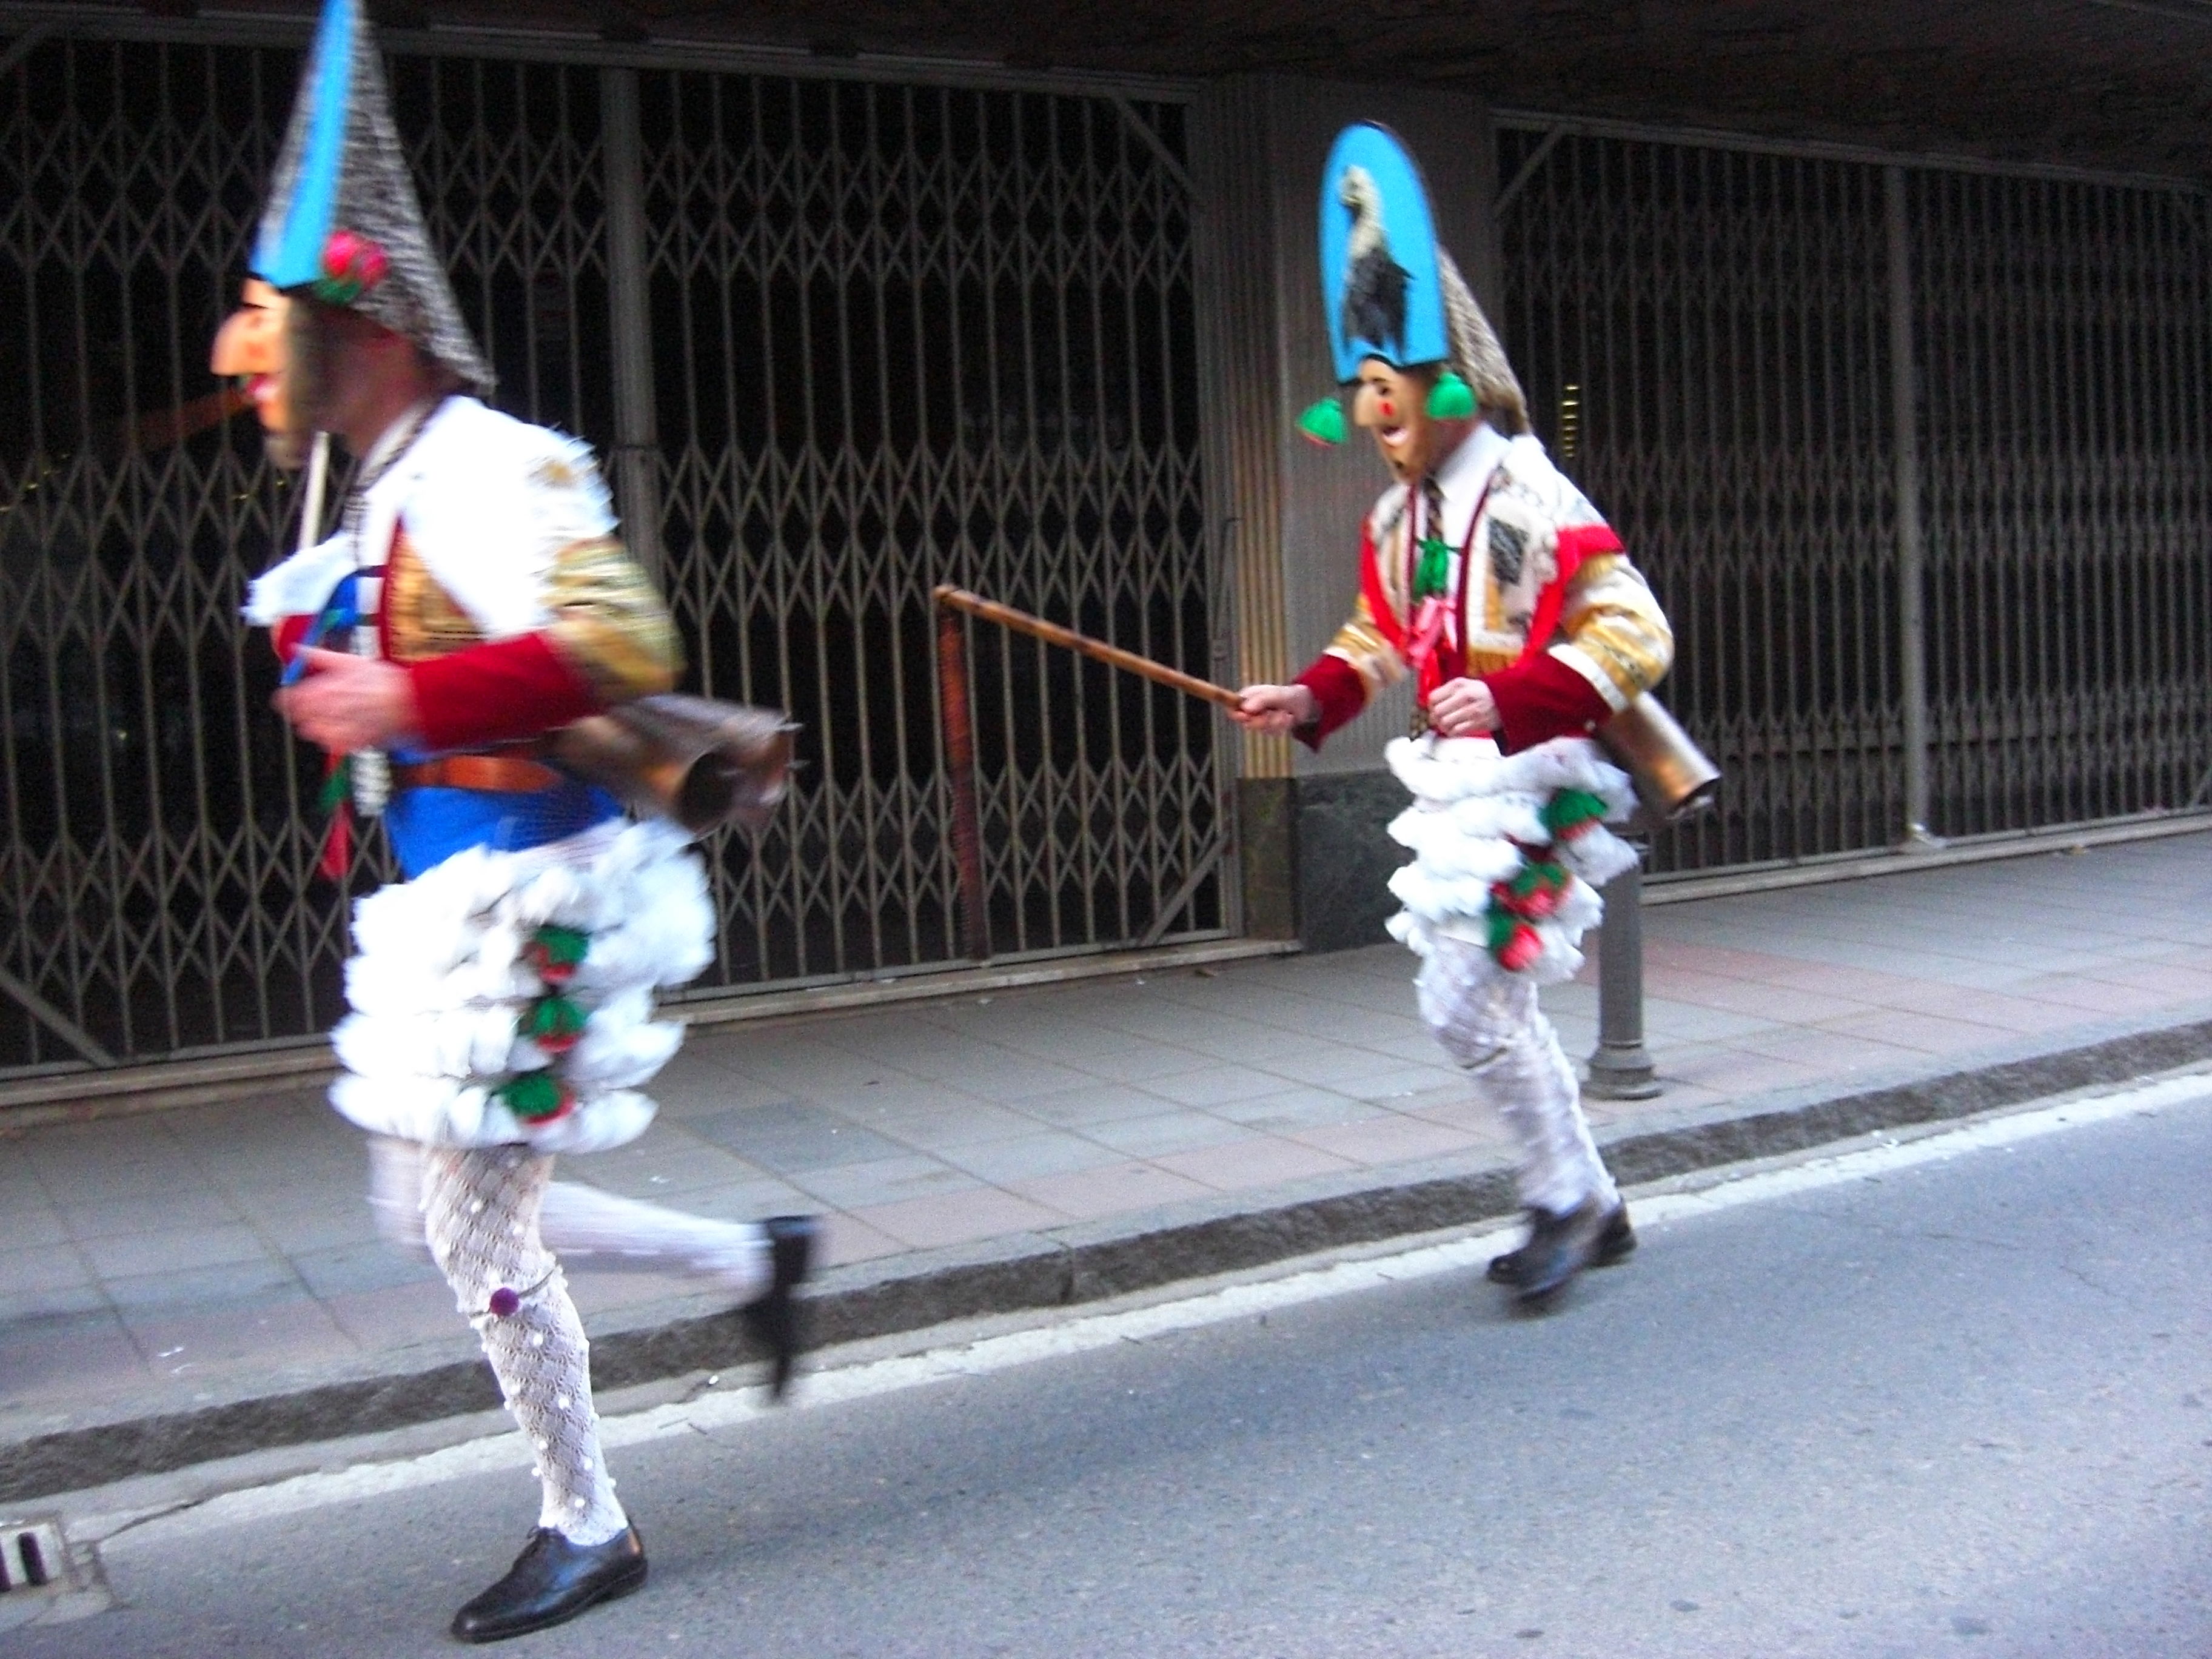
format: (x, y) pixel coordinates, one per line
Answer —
(904, 335)
(1702, 336)
(2067, 433)
(1706, 337)
(901, 336)
(154, 851)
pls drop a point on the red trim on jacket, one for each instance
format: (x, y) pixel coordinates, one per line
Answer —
(498, 692)
(1386, 620)
(1340, 692)
(1540, 698)
(1581, 542)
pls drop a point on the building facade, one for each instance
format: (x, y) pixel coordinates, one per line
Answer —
(1916, 451)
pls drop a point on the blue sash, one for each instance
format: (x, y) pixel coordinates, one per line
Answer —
(428, 826)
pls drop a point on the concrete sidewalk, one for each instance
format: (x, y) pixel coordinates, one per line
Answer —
(190, 1283)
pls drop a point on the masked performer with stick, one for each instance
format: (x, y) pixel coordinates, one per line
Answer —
(1485, 575)
(475, 599)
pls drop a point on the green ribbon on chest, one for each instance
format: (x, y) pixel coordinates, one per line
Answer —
(1433, 570)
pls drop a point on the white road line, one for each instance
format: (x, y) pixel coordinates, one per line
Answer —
(502, 1453)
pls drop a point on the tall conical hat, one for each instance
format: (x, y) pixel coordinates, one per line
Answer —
(1390, 289)
(343, 223)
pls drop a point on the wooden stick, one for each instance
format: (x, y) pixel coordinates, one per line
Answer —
(165, 427)
(959, 598)
(960, 765)
(319, 478)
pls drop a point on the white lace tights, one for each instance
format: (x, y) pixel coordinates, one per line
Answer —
(1488, 1021)
(479, 1211)
(584, 1224)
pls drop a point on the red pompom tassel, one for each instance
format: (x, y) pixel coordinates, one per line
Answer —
(1520, 951)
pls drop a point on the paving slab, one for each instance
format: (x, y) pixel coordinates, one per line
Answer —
(198, 1281)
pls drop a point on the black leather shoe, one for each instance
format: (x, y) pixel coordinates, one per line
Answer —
(550, 1582)
(1558, 1248)
(1616, 1242)
(775, 1318)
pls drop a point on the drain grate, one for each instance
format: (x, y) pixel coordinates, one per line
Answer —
(31, 1557)
(44, 1578)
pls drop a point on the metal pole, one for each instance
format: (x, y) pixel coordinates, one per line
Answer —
(1912, 619)
(1619, 1066)
(636, 446)
(960, 775)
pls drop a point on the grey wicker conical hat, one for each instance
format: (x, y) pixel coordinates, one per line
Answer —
(343, 223)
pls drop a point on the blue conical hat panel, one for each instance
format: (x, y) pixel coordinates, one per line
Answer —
(288, 253)
(1378, 255)
(342, 173)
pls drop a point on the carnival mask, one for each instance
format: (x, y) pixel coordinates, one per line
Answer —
(1394, 405)
(252, 346)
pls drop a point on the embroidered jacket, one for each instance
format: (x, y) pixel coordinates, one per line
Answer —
(505, 593)
(1538, 600)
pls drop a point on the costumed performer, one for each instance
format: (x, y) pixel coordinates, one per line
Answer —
(475, 598)
(1485, 575)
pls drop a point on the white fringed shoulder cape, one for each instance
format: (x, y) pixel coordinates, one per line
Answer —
(488, 502)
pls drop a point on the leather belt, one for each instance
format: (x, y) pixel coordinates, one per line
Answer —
(494, 773)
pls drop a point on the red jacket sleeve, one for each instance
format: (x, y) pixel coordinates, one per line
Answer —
(1338, 689)
(498, 692)
(1543, 698)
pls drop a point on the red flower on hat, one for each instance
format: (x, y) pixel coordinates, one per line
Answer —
(352, 265)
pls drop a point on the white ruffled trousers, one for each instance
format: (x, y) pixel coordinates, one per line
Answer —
(1477, 822)
(1488, 1021)
(453, 971)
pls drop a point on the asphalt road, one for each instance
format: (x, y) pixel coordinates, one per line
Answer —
(1963, 1408)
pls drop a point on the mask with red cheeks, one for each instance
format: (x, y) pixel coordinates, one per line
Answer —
(1393, 404)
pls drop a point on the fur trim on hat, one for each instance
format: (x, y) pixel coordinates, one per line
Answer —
(1476, 353)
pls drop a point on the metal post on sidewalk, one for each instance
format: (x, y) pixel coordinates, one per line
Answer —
(1619, 1066)
(1911, 549)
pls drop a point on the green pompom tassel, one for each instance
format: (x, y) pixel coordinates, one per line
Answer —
(1324, 423)
(553, 953)
(536, 1096)
(563, 944)
(1451, 398)
(1571, 811)
(553, 1024)
(1541, 876)
(1500, 925)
